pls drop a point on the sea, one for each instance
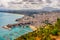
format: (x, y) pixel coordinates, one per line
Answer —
(9, 18)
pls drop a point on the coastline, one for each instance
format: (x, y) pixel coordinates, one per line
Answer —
(38, 19)
(35, 21)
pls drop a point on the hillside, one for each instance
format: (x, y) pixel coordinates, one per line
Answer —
(48, 32)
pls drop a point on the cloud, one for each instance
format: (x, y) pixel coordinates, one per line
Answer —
(36, 4)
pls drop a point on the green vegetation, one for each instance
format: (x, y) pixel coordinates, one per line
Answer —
(48, 32)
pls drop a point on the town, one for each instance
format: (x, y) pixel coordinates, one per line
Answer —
(36, 20)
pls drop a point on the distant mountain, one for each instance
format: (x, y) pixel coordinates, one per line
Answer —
(31, 11)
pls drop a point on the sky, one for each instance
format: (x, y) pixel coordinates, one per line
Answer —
(20, 4)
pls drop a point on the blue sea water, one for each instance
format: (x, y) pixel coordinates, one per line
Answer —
(8, 18)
